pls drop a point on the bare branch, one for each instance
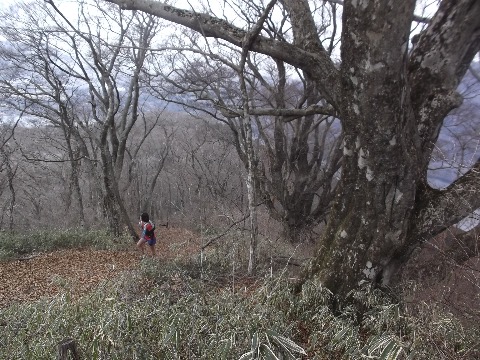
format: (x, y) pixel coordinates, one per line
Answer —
(290, 114)
(445, 208)
(474, 72)
(319, 64)
(434, 80)
(210, 241)
(12, 132)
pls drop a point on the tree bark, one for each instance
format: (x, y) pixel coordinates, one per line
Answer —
(11, 171)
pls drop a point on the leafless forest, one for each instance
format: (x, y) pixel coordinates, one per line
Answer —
(336, 141)
(349, 127)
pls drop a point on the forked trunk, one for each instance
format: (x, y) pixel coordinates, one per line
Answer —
(115, 211)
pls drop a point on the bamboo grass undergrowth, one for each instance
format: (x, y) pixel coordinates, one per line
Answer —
(167, 311)
(14, 244)
(187, 309)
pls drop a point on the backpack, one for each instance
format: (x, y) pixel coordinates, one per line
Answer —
(149, 232)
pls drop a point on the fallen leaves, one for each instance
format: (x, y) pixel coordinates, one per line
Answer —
(46, 275)
(79, 271)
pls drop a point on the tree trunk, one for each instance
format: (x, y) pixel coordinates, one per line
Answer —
(110, 200)
(74, 186)
(11, 171)
(249, 149)
(114, 206)
(78, 192)
(252, 206)
(111, 214)
(383, 198)
(368, 222)
(12, 203)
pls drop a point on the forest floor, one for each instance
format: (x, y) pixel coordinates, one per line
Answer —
(81, 270)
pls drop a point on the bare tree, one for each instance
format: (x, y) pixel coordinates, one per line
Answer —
(392, 103)
(85, 79)
(113, 113)
(8, 167)
(154, 159)
(206, 166)
(45, 95)
(297, 154)
(297, 176)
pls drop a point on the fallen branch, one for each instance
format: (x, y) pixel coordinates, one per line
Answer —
(25, 258)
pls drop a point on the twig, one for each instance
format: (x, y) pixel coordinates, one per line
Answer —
(225, 232)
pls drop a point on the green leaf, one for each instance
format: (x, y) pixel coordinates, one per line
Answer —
(167, 338)
(225, 349)
(285, 343)
(379, 342)
(268, 353)
(247, 356)
(254, 343)
(391, 351)
(340, 335)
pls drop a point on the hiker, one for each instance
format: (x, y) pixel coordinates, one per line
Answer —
(148, 234)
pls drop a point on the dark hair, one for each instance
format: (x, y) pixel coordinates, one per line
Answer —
(145, 217)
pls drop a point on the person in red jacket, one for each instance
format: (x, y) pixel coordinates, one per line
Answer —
(148, 234)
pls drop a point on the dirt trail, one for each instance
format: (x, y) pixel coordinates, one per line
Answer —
(81, 270)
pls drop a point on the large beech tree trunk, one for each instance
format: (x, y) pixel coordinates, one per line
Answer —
(391, 101)
(375, 220)
(380, 172)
